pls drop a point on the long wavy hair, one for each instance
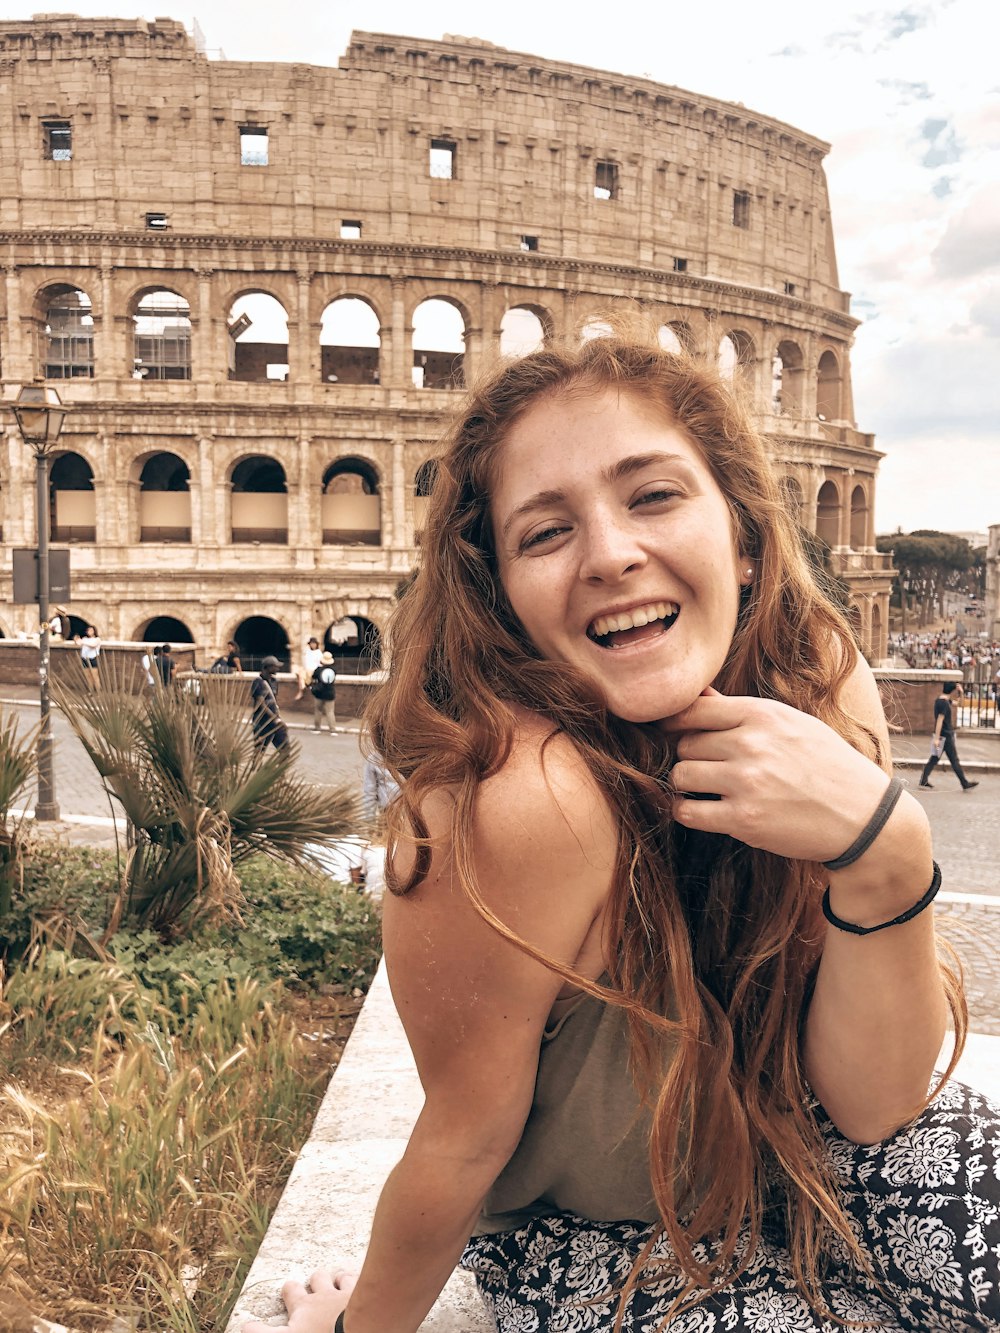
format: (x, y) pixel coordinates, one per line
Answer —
(713, 945)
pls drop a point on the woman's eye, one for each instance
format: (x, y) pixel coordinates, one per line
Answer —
(655, 496)
(541, 536)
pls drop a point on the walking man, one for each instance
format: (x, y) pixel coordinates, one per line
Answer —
(944, 737)
(323, 687)
(268, 728)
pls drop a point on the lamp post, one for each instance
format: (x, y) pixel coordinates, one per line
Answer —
(39, 413)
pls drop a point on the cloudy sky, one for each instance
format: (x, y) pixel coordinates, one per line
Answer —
(908, 94)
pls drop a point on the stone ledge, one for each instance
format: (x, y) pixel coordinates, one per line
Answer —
(324, 1216)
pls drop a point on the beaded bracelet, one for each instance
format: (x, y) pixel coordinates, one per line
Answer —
(908, 915)
(871, 830)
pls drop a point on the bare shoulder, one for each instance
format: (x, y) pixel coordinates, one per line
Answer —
(860, 699)
(545, 794)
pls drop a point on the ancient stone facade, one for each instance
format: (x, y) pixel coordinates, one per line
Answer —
(225, 268)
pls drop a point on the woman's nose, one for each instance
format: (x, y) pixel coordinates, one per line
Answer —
(610, 551)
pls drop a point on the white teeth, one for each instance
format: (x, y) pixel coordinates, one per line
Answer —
(642, 615)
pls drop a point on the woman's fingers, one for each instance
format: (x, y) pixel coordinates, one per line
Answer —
(705, 777)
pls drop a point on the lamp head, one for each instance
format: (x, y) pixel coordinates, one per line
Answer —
(40, 414)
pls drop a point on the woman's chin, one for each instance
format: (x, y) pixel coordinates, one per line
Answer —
(653, 709)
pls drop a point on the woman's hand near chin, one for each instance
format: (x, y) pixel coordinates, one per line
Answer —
(312, 1307)
(783, 780)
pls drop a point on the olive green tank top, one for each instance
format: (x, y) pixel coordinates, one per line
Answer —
(585, 1145)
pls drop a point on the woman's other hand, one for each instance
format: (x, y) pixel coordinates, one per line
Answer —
(312, 1307)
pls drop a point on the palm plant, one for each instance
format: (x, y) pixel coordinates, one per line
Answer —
(17, 769)
(197, 794)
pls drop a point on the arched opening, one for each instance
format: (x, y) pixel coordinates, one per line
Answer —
(667, 337)
(792, 494)
(877, 645)
(350, 506)
(828, 514)
(859, 519)
(258, 338)
(164, 500)
(67, 351)
(350, 340)
(736, 355)
(684, 334)
(438, 345)
(72, 503)
(162, 337)
(258, 637)
(423, 485)
(356, 645)
(787, 379)
(165, 629)
(259, 501)
(521, 332)
(595, 328)
(828, 387)
(856, 621)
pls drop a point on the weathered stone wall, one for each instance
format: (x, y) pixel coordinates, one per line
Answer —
(156, 130)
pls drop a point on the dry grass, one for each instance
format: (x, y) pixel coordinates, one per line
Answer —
(143, 1196)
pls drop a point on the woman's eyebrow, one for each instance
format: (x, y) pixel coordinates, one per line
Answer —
(625, 467)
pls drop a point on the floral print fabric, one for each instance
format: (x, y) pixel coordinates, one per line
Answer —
(925, 1205)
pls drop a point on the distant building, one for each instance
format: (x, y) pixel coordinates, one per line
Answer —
(991, 600)
(260, 286)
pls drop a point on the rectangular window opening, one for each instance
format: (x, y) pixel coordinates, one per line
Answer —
(442, 159)
(156, 222)
(789, 288)
(253, 146)
(57, 140)
(741, 209)
(350, 230)
(680, 264)
(606, 180)
(529, 243)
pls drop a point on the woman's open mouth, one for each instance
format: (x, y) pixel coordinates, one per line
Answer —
(627, 627)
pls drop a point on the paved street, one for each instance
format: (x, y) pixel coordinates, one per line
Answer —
(966, 828)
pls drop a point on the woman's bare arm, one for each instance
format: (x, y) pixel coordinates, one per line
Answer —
(474, 1008)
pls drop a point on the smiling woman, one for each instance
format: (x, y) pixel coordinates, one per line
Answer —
(633, 740)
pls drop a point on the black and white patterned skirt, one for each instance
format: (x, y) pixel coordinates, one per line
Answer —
(925, 1205)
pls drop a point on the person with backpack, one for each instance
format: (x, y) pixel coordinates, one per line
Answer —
(323, 688)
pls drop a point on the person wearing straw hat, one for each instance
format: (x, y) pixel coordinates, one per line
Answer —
(323, 687)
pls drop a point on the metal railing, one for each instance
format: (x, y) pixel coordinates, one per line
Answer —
(979, 706)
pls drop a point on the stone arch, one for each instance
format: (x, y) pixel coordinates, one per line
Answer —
(668, 339)
(164, 499)
(351, 505)
(523, 329)
(350, 341)
(65, 324)
(257, 637)
(829, 388)
(859, 518)
(684, 334)
(595, 327)
(878, 643)
(440, 325)
(257, 322)
(162, 334)
(788, 378)
(72, 502)
(736, 355)
(828, 513)
(358, 653)
(259, 501)
(163, 629)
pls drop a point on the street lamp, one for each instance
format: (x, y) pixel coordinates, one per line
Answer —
(40, 414)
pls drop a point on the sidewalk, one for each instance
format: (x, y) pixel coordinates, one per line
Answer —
(979, 751)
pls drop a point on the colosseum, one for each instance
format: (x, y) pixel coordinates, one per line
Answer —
(259, 286)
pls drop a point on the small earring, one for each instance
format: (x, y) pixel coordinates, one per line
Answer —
(748, 574)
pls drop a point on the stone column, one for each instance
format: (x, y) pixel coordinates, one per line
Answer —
(397, 375)
(846, 481)
(303, 339)
(19, 354)
(211, 506)
(209, 354)
(109, 359)
(397, 537)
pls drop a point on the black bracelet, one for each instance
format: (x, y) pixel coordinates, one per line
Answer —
(339, 1325)
(908, 915)
(871, 830)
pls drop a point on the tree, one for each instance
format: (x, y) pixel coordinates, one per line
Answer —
(198, 794)
(928, 564)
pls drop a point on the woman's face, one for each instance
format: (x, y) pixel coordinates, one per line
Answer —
(616, 549)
